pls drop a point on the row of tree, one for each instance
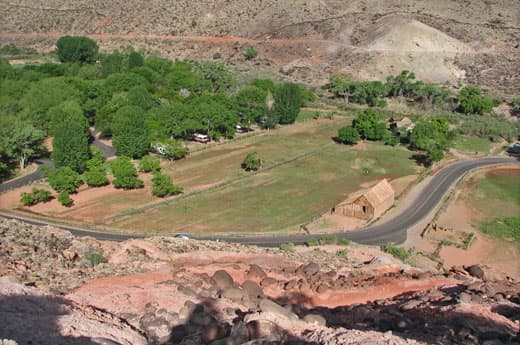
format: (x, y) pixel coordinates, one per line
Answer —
(470, 99)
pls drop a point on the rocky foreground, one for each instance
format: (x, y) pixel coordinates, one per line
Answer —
(57, 289)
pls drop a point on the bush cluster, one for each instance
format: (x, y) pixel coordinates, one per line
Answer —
(35, 196)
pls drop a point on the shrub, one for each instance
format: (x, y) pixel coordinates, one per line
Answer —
(125, 174)
(64, 180)
(96, 174)
(27, 199)
(348, 135)
(328, 239)
(342, 253)
(162, 186)
(313, 242)
(94, 258)
(287, 247)
(64, 199)
(36, 196)
(397, 252)
(251, 162)
(250, 53)
(149, 163)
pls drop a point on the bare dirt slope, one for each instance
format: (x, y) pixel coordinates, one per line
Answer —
(442, 41)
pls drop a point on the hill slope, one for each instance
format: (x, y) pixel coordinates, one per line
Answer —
(475, 40)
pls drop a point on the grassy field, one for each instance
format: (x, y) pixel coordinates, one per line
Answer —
(310, 174)
(304, 174)
(496, 195)
(472, 144)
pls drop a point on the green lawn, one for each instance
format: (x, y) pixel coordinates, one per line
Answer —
(223, 162)
(496, 196)
(279, 198)
(472, 144)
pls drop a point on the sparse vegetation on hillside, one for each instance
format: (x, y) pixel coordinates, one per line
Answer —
(397, 252)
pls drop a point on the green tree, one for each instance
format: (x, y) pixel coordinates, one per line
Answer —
(162, 185)
(139, 96)
(288, 102)
(63, 180)
(182, 76)
(341, 85)
(96, 174)
(472, 101)
(76, 49)
(149, 164)
(69, 129)
(433, 136)
(125, 81)
(64, 199)
(129, 132)
(22, 141)
(348, 135)
(125, 174)
(104, 119)
(251, 162)
(400, 85)
(252, 104)
(43, 95)
(135, 59)
(219, 75)
(362, 92)
(111, 63)
(370, 126)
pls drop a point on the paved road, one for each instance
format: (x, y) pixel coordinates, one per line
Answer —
(393, 230)
(108, 151)
(27, 179)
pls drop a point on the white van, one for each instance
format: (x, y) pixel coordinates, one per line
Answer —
(201, 138)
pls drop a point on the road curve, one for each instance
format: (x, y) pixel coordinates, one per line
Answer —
(108, 151)
(393, 230)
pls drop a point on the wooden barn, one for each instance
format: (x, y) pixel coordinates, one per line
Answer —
(367, 204)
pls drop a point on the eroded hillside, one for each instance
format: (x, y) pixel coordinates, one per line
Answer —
(442, 41)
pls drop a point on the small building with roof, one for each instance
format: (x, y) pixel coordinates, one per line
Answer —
(368, 203)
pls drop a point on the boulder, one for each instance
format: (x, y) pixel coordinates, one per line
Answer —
(262, 328)
(223, 280)
(252, 290)
(315, 319)
(268, 281)
(234, 294)
(268, 306)
(158, 330)
(476, 271)
(310, 269)
(412, 304)
(465, 297)
(291, 284)
(255, 272)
